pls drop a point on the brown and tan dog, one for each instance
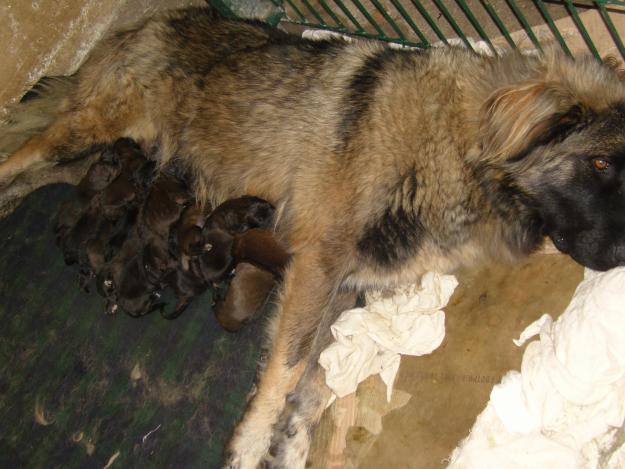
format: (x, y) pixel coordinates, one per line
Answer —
(383, 165)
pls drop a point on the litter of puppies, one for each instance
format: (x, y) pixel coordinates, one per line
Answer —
(138, 234)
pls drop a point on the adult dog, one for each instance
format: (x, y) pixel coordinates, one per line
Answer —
(384, 164)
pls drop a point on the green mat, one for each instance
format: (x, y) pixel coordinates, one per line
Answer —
(78, 387)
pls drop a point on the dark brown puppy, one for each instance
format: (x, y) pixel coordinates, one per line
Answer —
(124, 282)
(204, 246)
(247, 294)
(241, 214)
(260, 259)
(166, 200)
(106, 204)
(129, 188)
(186, 237)
(229, 220)
(98, 176)
(261, 248)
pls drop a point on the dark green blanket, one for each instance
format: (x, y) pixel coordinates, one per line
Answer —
(78, 387)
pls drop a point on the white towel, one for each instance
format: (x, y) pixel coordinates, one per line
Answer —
(564, 407)
(370, 340)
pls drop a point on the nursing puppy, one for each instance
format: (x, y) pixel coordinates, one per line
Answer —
(163, 206)
(99, 175)
(247, 294)
(384, 164)
(259, 259)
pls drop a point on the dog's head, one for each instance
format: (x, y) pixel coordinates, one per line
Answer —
(558, 140)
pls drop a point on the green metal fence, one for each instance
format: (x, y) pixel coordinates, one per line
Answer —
(421, 23)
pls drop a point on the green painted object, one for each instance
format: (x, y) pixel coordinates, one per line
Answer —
(420, 24)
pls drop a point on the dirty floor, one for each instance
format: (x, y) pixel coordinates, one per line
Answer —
(79, 388)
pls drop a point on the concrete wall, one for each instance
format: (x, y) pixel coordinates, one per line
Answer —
(52, 37)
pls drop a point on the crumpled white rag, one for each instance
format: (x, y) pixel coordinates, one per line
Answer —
(370, 340)
(563, 408)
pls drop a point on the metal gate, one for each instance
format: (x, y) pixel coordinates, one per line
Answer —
(497, 23)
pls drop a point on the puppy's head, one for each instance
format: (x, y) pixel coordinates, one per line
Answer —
(134, 164)
(241, 214)
(100, 174)
(216, 259)
(164, 204)
(137, 296)
(557, 144)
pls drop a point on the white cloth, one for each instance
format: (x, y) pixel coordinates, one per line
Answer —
(370, 340)
(563, 408)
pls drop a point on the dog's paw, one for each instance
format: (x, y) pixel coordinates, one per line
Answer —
(232, 461)
(246, 450)
(290, 445)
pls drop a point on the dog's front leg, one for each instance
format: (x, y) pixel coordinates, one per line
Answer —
(305, 405)
(307, 289)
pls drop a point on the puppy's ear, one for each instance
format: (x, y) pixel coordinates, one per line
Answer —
(516, 119)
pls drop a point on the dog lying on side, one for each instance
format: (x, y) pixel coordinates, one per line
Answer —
(384, 164)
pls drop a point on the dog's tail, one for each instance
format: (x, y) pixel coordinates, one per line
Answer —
(32, 115)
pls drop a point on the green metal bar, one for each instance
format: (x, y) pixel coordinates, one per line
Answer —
(349, 15)
(476, 24)
(313, 11)
(370, 19)
(388, 19)
(335, 18)
(277, 3)
(524, 23)
(552, 26)
(359, 33)
(430, 21)
(612, 29)
(582, 29)
(296, 10)
(411, 23)
(500, 24)
(453, 24)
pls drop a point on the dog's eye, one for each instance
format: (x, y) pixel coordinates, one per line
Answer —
(600, 164)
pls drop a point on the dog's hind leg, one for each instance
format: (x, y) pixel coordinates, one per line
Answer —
(84, 123)
(306, 404)
(307, 291)
(81, 123)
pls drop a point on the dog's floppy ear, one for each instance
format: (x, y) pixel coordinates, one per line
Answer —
(520, 117)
